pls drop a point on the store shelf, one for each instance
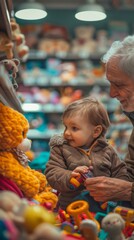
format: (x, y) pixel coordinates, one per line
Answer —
(46, 135)
(41, 55)
(46, 108)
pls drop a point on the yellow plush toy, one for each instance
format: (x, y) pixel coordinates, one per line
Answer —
(14, 162)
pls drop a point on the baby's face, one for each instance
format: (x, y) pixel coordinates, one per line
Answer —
(77, 132)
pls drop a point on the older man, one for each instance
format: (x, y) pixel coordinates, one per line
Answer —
(119, 62)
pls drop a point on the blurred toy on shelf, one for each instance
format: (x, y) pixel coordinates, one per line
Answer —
(68, 94)
(119, 116)
(22, 50)
(37, 121)
(103, 43)
(67, 72)
(31, 32)
(40, 160)
(119, 139)
(118, 30)
(12, 68)
(84, 44)
(54, 40)
(53, 67)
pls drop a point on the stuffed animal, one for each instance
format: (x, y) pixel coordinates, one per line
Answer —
(14, 162)
(84, 45)
(21, 48)
(89, 230)
(54, 40)
(113, 224)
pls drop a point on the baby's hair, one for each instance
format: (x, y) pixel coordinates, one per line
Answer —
(92, 110)
(124, 50)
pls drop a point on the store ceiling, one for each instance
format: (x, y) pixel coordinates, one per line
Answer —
(72, 4)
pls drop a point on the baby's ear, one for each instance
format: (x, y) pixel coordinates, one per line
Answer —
(97, 131)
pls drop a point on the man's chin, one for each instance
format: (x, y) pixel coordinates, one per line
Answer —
(127, 109)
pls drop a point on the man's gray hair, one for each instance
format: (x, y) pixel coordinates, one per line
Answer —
(124, 50)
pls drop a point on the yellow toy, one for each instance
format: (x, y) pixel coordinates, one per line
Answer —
(127, 214)
(14, 162)
(77, 208)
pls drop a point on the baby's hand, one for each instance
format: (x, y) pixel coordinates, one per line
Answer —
(78, 170)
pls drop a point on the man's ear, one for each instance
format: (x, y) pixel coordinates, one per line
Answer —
(97, 131)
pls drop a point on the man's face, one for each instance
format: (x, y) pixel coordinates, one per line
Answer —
(121, 85)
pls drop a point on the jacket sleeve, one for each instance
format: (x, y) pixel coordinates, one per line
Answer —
(56, 172)
(130, 161)
(119, 168)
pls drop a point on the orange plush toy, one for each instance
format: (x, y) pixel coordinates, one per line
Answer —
(14, 162)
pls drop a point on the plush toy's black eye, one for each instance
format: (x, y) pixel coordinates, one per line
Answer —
(24, 134)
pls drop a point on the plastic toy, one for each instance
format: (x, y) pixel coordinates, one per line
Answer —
(127, 214)
(76, 210)
(34, 215)
(75, 182)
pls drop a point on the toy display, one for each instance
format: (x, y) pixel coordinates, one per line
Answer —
(54, 40)
(29, 210)
(14, 162)
(84, 44)
(23, 219)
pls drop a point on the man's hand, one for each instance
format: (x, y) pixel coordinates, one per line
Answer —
(104, 189)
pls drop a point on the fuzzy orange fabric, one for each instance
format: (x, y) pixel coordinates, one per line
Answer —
(13, 129)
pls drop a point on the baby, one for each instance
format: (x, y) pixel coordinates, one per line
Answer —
(82, 145)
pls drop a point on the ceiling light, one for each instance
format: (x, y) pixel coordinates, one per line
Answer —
(31, 11)
(91, 12)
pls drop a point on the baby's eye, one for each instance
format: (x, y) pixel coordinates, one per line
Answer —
(74, 129)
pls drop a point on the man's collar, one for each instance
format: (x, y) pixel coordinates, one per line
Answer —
(129, 114)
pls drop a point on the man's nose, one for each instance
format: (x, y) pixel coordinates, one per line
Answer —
(113, 92)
